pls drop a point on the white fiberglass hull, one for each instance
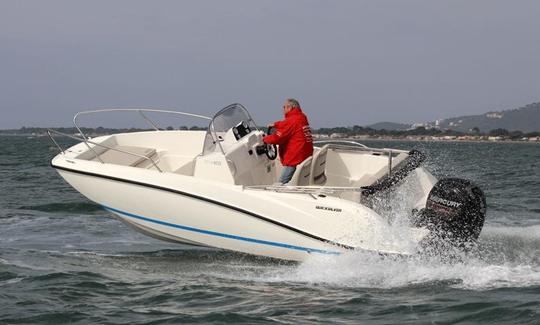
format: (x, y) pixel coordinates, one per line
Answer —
(280, 225)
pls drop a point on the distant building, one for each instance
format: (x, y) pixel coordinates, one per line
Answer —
(337, 135)
(425, 125)
(494, 115)
(320, 136)
(361, 136)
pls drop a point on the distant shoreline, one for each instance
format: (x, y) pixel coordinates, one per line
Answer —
(360, 139)
(432, 140)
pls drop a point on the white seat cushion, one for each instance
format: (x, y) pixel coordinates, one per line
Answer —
(318, 166)
(120, 158)
(302, 175)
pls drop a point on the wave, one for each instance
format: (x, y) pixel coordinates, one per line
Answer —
(511, 244)
(6, 276)
(505, 257)
(78, 207)
(359, 270)
(78, 276)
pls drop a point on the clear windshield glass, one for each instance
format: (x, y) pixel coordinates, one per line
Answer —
(229, 117)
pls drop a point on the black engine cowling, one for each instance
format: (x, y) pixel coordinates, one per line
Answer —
(455, 211)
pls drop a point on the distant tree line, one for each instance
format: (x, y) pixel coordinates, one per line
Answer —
(422, 131)
(99, 130)
(346, 131)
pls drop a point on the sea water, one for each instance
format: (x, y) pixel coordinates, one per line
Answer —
(65, 260)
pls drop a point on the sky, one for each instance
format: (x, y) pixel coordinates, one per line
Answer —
(347, 62)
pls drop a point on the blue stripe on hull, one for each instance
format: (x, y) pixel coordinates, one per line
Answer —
(219, 234)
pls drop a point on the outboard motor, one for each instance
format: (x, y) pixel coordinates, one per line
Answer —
(454, 213)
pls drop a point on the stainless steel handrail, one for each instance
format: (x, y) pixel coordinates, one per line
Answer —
(49, 131)
(369, 149)
(309, 190)
(390, 162)
(56, 143)
(346, 144)
(139, 110)
(304, 189)
(342, 141)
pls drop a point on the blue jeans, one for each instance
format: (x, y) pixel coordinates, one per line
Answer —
(286, 174)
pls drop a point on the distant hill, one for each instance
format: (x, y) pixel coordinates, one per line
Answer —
(389, 126)
(526, 119)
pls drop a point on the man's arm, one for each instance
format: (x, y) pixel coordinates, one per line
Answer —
(283, 132)
(272, 139)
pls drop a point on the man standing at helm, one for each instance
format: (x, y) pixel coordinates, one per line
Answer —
(293, 136)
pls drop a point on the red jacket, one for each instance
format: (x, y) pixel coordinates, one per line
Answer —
(293, 136)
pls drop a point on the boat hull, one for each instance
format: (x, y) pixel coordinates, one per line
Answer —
(179, 208)
(191, 220)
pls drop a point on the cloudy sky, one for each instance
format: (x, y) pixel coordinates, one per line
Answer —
(348, 62)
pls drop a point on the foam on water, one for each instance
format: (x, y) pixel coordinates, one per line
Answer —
(361, 270)
(505, 257)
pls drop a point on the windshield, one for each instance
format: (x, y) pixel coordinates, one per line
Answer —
(224, 120)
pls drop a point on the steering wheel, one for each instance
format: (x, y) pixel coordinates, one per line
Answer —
(271, 149)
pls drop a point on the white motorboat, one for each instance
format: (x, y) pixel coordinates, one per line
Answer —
(218, 188)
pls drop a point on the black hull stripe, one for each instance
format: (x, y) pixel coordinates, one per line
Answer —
(194, 196)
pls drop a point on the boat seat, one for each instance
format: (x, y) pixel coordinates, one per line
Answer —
(396, 161)
(120, 158)
(370, 179)
(302, 175)
(318, 166)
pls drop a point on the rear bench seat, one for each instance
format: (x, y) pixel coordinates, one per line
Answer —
(120, 158)
(366, 180)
